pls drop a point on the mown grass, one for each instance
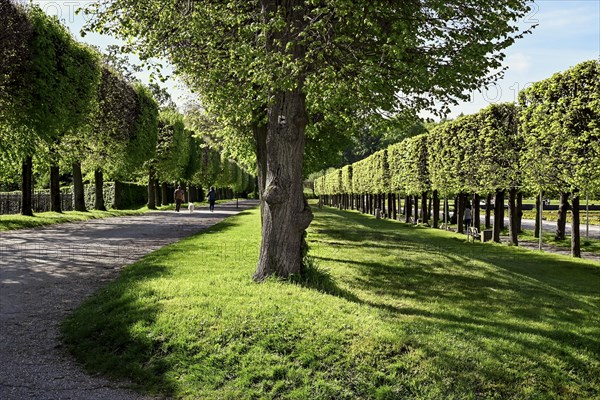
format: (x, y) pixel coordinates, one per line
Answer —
(551, 215)
(589, 245)
(17, 221)
(388, 311)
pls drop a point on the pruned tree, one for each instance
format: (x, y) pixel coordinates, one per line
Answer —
(272, 64)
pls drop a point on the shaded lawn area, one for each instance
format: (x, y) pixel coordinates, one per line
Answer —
(407, 312)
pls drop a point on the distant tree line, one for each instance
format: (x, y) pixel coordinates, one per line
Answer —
(548, 145)
(64, 108)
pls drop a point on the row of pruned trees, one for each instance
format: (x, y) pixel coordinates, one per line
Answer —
(548, 144)
(63, 108)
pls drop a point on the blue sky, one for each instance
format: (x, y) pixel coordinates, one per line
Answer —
(568, 33)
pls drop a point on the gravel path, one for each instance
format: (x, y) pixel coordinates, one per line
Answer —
(45, 273)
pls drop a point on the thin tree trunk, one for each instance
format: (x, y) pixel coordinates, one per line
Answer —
(488, 211)
(514, 216)
(460, 213)
(394, 207)
(436, 209)
(476, 212)
(158, 193)
(407, 209)
(27, 186)
(561, 223)
(416, 204)
(151, 191)
(575, 234)
(99, 190)
(538, 216)
(286, 213)
(498, 214)
(164, 194)
(520, 212)
(55, 189)
(78, 190)
(424, 214)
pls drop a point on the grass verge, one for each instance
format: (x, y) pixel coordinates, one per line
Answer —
(17, 221)
(388, 311)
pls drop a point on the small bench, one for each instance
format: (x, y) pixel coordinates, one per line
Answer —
(473, 233)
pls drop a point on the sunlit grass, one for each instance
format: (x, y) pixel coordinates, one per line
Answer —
(389, 311)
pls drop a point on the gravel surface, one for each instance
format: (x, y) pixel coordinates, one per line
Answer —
(45, 273)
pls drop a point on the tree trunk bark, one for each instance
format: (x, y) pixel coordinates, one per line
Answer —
(520, 212)
(394, 207)
(78, 190)
(575, 237)
(27, 186)
(151, 192)
(460, 213)
(424, 214)
(561, 223)
(436, 209)
(488, 211)
(99, 190)
(164, 194)
(55, 189)
(498, 214)
(285, 211)
(158, 193)
(407, 209)
(538, 216)
(416, 205)
(514, 216)
(260, 140)
(476, 212)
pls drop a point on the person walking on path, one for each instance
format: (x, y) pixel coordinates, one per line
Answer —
(467, 218)
(212, 197)
(179, 195)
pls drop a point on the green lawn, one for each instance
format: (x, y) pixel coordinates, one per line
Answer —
(17, 221)
(406, 313)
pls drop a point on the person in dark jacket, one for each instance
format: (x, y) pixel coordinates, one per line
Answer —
(212, 197)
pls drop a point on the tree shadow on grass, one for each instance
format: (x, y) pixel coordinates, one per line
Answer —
(113, 332)
(546, 305)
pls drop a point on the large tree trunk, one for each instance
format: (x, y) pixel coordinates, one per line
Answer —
(55, 189)
(575, 238)
(285, 211)
(436, 209)
(561, 223)
(99, 190)
(514, 216)
(78, 190)
(498, 214)
(27, 186)
(260, 141)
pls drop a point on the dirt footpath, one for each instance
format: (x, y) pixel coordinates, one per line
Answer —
(45, 273)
